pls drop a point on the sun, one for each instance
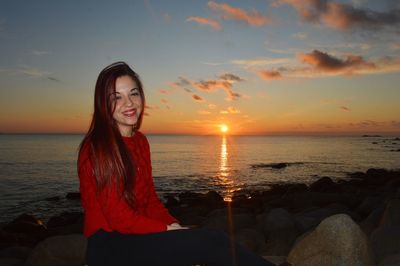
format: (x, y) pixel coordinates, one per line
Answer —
(224, 128)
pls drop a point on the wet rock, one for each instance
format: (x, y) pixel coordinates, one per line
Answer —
(227, 223)
(213, 198)
(336, 241)
(65, 250)
(55, 198)
(385, 241)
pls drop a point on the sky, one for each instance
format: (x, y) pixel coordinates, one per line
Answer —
(258, 66)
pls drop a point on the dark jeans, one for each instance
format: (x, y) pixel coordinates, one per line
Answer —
(175, 248)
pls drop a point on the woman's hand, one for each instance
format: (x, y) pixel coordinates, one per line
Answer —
(175, 226)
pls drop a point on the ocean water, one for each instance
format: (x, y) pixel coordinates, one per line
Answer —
(36, 167)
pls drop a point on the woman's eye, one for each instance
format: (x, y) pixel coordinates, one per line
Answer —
(135, 94)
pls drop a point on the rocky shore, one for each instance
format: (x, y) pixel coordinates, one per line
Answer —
(349, 222)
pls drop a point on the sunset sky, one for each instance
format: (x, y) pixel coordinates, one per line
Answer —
(259, 66)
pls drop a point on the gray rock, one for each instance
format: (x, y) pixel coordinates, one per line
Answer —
(311, 218)
(229, 223)
(336, 241)
(369, 204)
(385, 241)
(391, 216)
(280, 231)
(369, 224)
(277, 260)
(67, 250)
(251, 239)
(392, 260)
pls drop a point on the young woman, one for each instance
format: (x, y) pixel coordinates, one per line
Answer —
(125, 222)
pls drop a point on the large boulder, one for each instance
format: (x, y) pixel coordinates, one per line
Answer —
(251, 239)
(67, 250)
(336, 241)
(385, 241)
(391, 216)
(280, 231)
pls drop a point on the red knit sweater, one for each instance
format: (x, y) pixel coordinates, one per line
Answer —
(109, 211)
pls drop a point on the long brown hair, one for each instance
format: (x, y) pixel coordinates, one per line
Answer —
(107, 151)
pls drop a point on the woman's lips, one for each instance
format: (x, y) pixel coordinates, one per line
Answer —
(129, 113)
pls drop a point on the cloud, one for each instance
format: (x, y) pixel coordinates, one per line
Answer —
(300, 35)
(247, 63)
(233, 110)
(165, 101)
(203, 112)
(269, 75)
(205, 21)
(214, 85)
(227, 12)
(230, 77)
(53, 79)
(325, 62)
(321, 64)
(344, 108)
(342, 16)
(197, 98)
(211, 106)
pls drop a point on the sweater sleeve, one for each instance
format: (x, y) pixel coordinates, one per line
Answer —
(116, 211)
(155, 208)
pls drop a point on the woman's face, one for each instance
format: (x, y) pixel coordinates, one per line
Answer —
(127, 104)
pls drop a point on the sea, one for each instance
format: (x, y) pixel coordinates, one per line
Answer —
(38, 170)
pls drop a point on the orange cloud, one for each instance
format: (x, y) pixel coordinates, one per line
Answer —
(233, 110)
(342, 16)
(227, 12)
(269, 75)
(318, 64)
(197, 98)
(325, 62)
(344, 108)
(205, 21)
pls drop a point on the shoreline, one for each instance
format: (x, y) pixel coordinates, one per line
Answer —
(292, 209)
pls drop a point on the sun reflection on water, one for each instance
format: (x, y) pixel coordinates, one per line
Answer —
(224, 171)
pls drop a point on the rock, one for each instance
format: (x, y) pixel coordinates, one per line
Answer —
(311, 218)
(228, 223)
(251, 239)
(280, 231)
(16, 252)
(369, 224)
(65, 218)
(11, 262)
(391, 260)
(277, 260)
(73, 196)
(55, 198)
(25, 224)
(322, 185)
(368, 205)
(213, 198)
(385, 241)
(336, 241)
(68, 250)
(391, 216)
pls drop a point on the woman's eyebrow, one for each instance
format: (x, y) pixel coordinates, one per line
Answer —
(134, 89)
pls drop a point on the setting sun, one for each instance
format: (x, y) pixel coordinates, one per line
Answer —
(224, 128)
